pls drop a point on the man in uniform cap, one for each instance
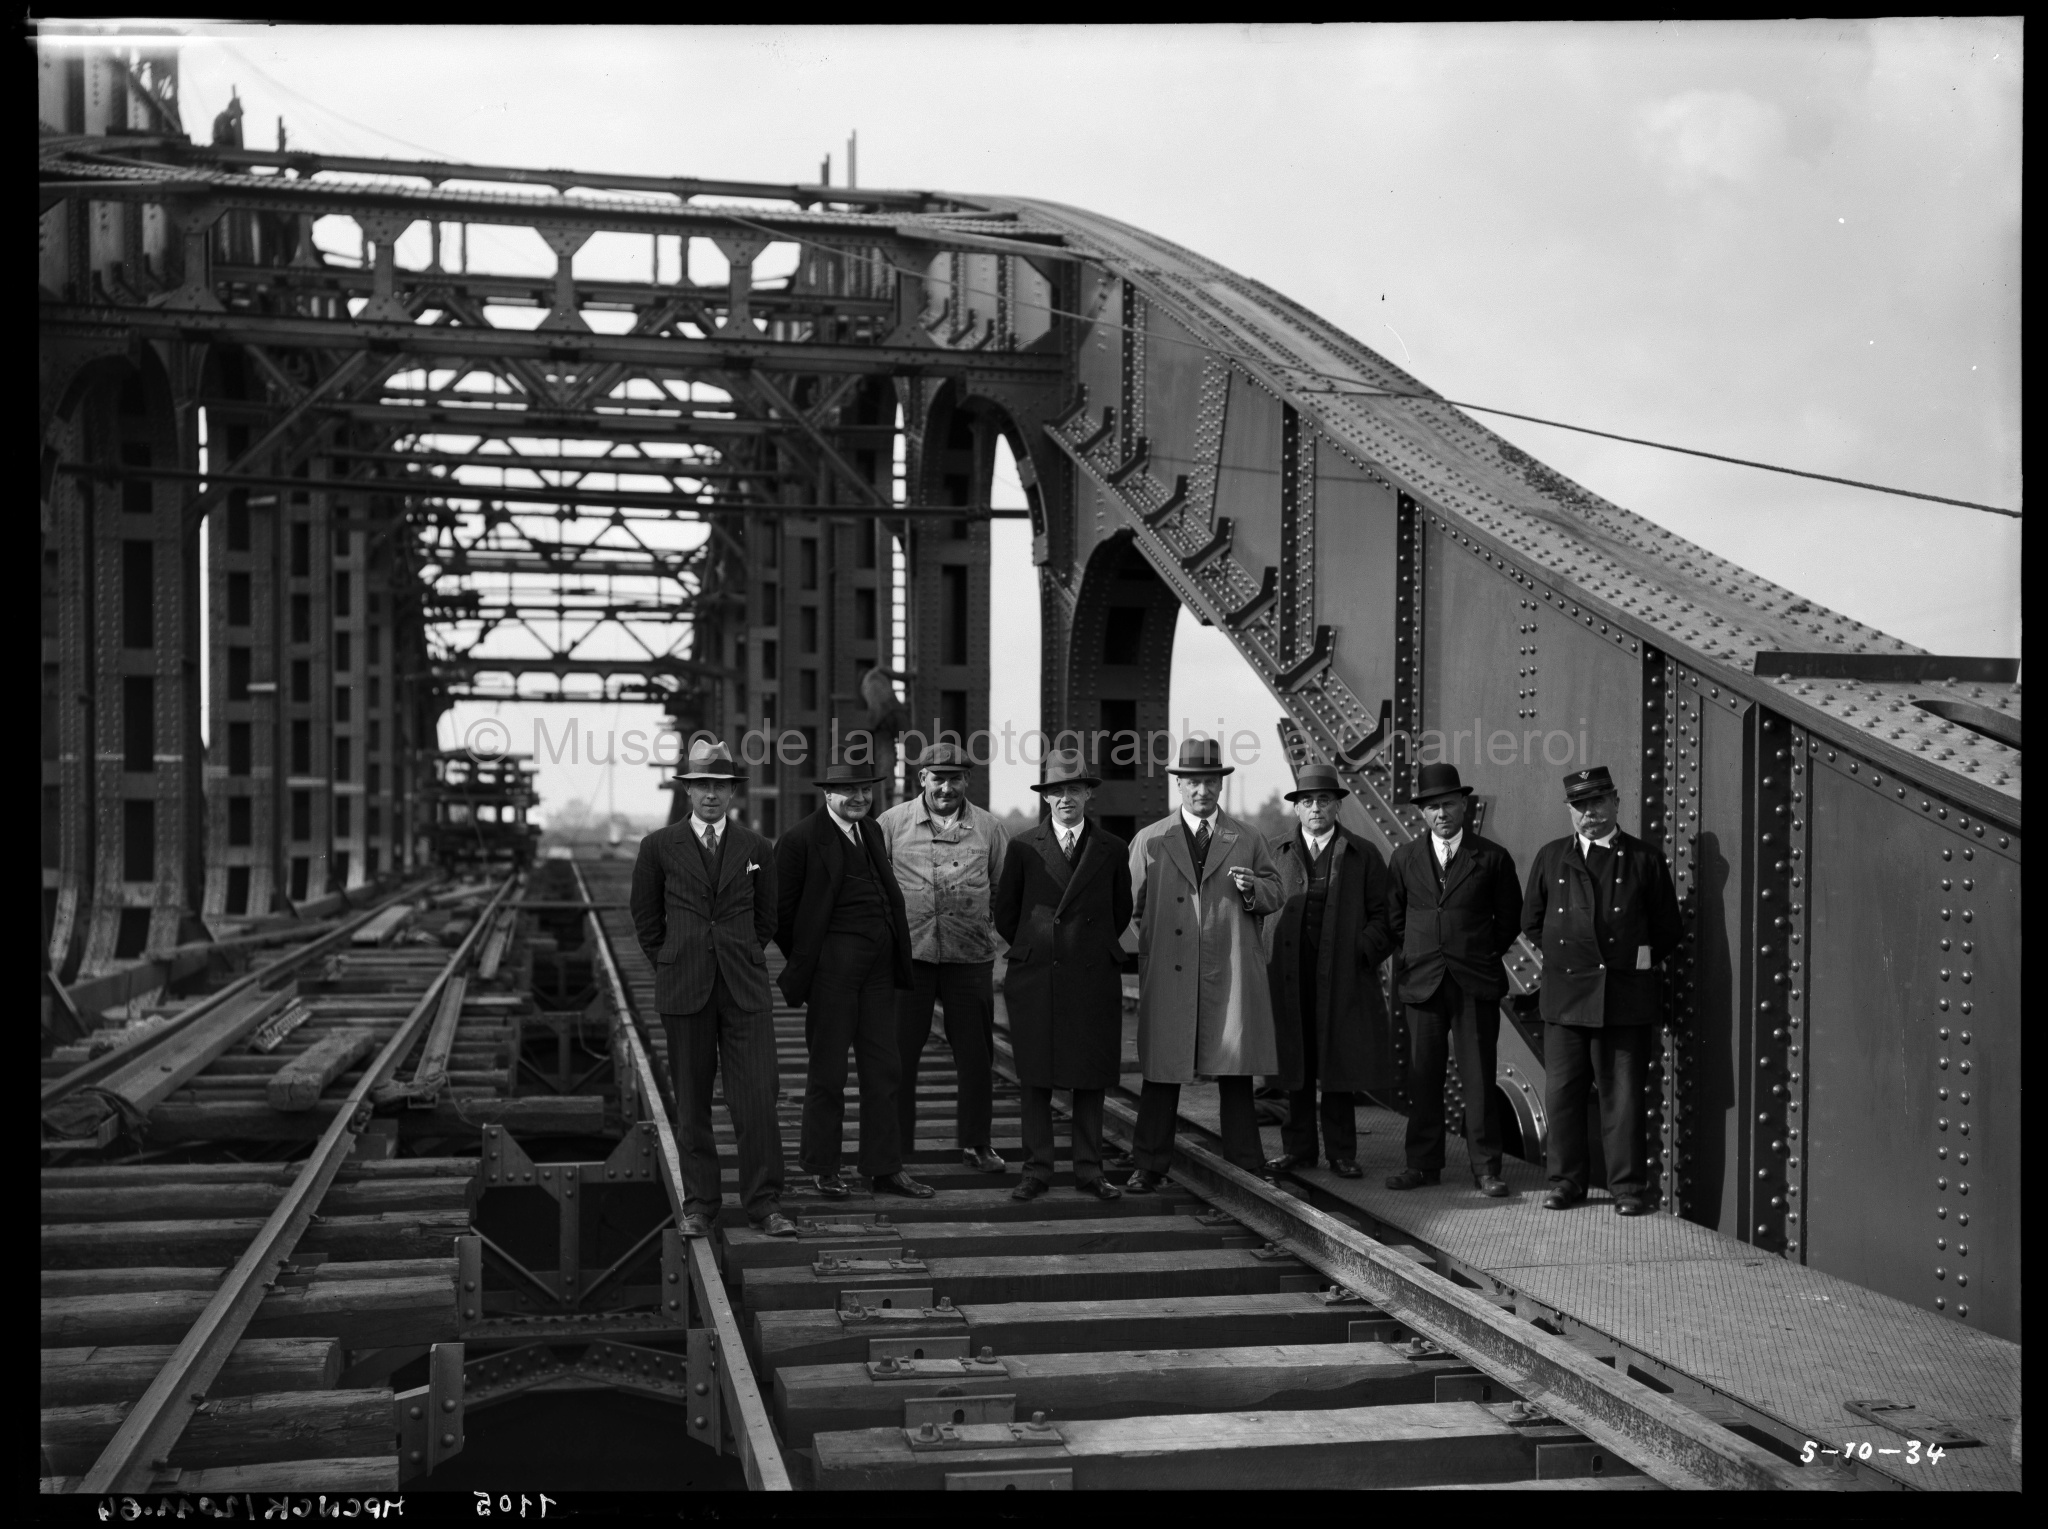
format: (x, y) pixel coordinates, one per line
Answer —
(842, 931)
(1602, 909)
(1063, 903)
(1456, 902)
(1323, 962)
(948, 856)
(703, 905)
(1200, 881)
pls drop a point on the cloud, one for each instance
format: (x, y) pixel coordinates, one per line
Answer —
(1700, 136)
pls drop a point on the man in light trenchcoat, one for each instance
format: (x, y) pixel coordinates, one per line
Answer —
(1200, 882)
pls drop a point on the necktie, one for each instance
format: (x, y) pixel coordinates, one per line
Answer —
(711, 843)
(1067, 843)
(1202, 841)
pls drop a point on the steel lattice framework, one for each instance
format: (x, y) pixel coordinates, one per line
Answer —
(428, 476)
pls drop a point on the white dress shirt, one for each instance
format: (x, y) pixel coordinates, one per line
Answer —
(1607, 843)
(1068, 837)
(1446, 848)
(1316, 846)
(852, 833)
(704, 830)
(1195, 824)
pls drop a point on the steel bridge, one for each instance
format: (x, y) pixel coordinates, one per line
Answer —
(410, 480)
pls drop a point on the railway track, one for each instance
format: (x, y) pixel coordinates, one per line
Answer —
(1219, 1334)
(225, 1309)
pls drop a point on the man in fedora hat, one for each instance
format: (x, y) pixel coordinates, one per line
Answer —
(841, 928)
(1323, 956)
(704, 905)
(1456, 907)
(948, 856)
(1602, 909)
(1063, 903)
(1200, 881)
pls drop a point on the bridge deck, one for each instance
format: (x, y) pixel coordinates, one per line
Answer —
(1777, 1339)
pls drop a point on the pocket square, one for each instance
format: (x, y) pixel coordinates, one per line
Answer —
(751, 867)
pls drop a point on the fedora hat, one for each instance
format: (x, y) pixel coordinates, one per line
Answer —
(1201, 756)
(1581, 784)
(709, 760)
(848, 775)
(1066, 767)
(1434, 780)
(1317, 777)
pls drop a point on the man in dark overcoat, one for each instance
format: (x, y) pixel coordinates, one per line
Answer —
(1602, 909)
(1324, 950)
(1062, 904)
(841, 927)
(703, 905)
(1456, 908)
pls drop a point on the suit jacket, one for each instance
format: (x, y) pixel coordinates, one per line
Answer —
(691, 928)
(1354, 1047)
(1462, 925)
(1204, 1008)
(1063, 988)
(810, 862)
(1592, 963)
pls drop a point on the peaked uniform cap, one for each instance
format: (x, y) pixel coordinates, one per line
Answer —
(1581, 784)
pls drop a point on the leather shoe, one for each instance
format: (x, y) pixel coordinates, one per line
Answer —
(902, 1184)
(1101, 1189)
(1493, 1186)
(832, 1186)
(695, 1225)
(1631, 1207)
(1413, 1178)
(1116, 1162)
(1030, 1188)
(1346, 1168)
(1287, 1160)
(986, 1159)
(1141, 1182)
(775, 1224)
(1563, 1199)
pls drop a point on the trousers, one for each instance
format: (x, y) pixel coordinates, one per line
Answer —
(967, 990)
(853, 1005)
(742, 1041)
(1577, 1060)
(1159, 1111)
(1339, 1114)
(1451, 1017)
(1038, 1143)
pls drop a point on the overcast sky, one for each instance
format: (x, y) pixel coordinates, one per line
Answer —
(1795, 242)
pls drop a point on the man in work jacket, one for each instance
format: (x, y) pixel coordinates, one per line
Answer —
(1063, 903)
(1602, 909)
(1200, 880)
(839, 921)
(1323, 956)
(1456, 900)
(703, 906)
(948, 856)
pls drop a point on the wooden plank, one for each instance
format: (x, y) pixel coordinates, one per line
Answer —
(163, 1201)
(748, 1249)
(301, 1081)
(234, 1430)
(813, 1399)
(1058, 1327)
(159, 1277)
(454, 1115)
(1350, 1447)
(1045, 1277)
(155, 1071)
(363, 1476)
(120, 1175)
(992, 1203)
(361, 1313)
(381, 928)
(74, 1377)
(107, 1244)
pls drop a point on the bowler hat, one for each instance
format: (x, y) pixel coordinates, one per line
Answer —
(1201, 756)
(848, 775)
(1434, 780)
(1582, 784)
(709, 760)
(1066, 767)
(1317, 777)
(944, 756)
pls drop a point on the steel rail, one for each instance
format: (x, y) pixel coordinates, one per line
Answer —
(98, 1067)
(1659, 1436)
(141, 1446)
(753, 1432)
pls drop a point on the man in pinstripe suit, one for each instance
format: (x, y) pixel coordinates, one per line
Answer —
(704, 908)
